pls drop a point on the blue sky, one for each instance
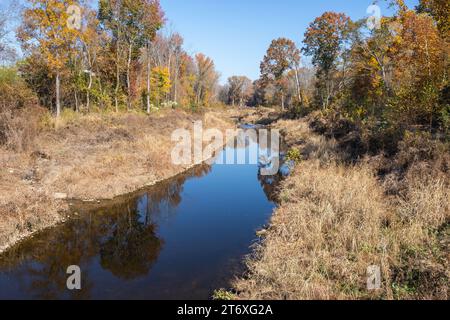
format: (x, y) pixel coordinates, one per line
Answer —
(237, 33)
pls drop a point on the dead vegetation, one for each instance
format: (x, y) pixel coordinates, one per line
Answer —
(336, 218)
(97, 156)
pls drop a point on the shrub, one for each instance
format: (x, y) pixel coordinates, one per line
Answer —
(294, 155)
(14, 93)
(223, 295)
(18, 129)
(19, 113)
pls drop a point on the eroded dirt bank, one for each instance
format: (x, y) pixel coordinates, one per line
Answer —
(339, 215)
(88, 157)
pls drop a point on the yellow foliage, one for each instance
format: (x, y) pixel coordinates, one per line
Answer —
(160, 83)
(47, 23)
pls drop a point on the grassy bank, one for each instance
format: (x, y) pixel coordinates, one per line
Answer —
(338, 217)
(88, 157)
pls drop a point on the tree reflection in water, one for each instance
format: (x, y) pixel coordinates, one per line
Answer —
(123, 236)
(118, 242)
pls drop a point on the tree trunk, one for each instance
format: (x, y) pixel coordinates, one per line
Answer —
(169, 64)
(199, 93)
(299, 91)
(282, 100)
(100, 88)
(175, 84)
(58, 99)
(88, 93)
(91, 66)
(329, 91)
(130, 48)
(116, 91)
(77, 107)
(148, 79)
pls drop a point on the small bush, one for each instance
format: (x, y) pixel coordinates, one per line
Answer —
(19, 114)
(445, 120)
(294, 155)
(14, 93)
(18, 129)
(223, 295)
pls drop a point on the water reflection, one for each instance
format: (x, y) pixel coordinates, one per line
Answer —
(179, 239)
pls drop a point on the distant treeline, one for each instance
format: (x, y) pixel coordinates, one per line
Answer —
(388, 73)
(114, 57)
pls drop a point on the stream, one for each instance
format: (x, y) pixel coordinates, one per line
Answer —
(180, 239)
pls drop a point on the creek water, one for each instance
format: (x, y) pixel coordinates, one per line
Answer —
(180, 239)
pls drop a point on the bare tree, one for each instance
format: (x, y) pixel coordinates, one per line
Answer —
(240, 89)
(7, 53)
(177, 42)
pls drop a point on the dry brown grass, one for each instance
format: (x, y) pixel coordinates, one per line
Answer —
(259, 115)
(336, 220)
(298, 135)
(419, 237)
(98, 156)
(19, 128)
(325, 234)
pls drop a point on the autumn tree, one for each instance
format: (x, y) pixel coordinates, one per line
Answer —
(324, 41)
(91, 39)
(240, 89)
(7, 53)
(166, 51)
(440, 11)
(176, 43)
(133, 24)
(160, 83)
(397, 73)
(46, 28)
(152, 22)
(421, 68)
(371, 65)
(141, 19)
(281, 57)
(187, 80)
(109, 13)
(259, 94)
(206, 79)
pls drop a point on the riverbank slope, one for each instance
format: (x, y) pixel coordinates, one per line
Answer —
(339, 215)
(87, 157)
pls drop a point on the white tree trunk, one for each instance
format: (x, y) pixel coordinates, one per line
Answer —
(299, 92)
(116, 91)
(130, 48)
(148, 79)
(175, 84)
(88, 93)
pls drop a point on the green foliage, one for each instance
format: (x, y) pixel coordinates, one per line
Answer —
(401, 291)
(8, 75)
(14, 93)
(294, 155)
(445, 120)
(223, 295)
